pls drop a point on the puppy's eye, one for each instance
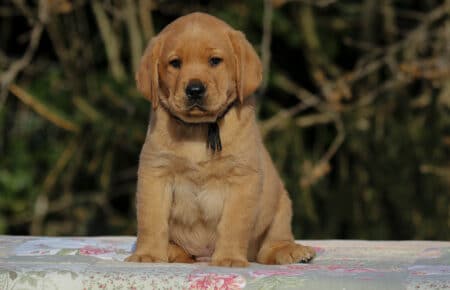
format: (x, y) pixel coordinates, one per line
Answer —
(176, 63)
(215, 61)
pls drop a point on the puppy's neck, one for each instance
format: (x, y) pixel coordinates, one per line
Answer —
(177, 133)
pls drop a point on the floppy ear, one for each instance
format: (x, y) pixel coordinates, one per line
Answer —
(248, 68)
(147, 79)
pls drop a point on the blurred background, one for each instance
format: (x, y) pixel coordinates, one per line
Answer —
(354, 108)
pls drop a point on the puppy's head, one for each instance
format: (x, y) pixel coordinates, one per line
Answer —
(197, 66)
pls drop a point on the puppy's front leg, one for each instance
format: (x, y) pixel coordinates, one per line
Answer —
(235, 225)
(154, 198)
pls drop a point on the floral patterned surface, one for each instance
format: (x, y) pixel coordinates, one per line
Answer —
(97, 263)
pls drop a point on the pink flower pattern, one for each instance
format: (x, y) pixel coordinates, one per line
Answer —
(423, 264)
(213, 281)
(92, 251)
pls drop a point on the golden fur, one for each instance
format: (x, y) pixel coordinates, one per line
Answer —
(193, 203)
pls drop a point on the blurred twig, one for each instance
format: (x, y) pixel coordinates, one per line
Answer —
(110, 41)
(20, 64)
(64, 158)
(307, 100)
(145, 15)
(327, 115)
(319, 3)
(25, 10)
(42, 203)
(265, 46)
(43, 110)
(16, 67)
(314, 119)
(389, 25)
(440, 171)
(134, 33)
(91, 113)
(380, 57)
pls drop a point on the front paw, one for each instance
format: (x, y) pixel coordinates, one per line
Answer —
(229, 262)
(145, 258)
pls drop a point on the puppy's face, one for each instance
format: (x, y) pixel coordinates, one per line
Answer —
(197, 66)
(196, 73)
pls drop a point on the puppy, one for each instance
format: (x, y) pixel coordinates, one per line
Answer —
(207, 188)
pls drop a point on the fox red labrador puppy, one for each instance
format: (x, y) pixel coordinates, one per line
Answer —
(207, 188)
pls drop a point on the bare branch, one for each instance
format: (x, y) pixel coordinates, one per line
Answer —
(314, 119)
(265, 45)
(110, 40)
(16, 67)
(368, 68)
(43, 110)
(145, 15)
(134, 32)
(307, 99)
(319, 3)
(25, 10)
(337, 142)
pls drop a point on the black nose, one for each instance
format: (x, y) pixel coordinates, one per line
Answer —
(195, 90)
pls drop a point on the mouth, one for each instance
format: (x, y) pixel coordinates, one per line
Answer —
(196, 108)
(196, 111)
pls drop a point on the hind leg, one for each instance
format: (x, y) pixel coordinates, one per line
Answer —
(278, 246)
(177, 254)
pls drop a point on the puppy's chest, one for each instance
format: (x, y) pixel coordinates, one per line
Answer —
(195, 202)
(199, 192)
(199, 188)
